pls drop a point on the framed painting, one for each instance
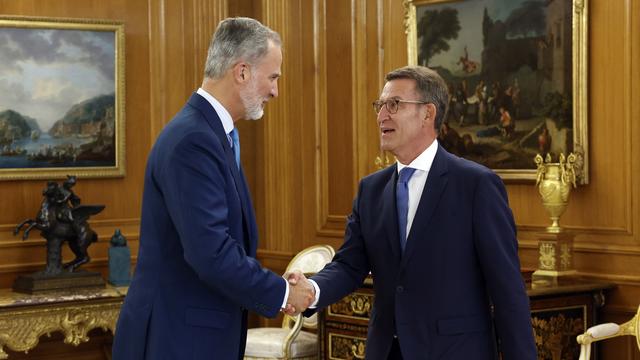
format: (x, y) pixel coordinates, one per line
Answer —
(517, 75)
(63, 95)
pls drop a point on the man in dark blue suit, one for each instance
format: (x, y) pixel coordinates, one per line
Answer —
(197, 275)
(438, 236)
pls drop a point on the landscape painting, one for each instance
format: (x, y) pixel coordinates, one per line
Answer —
(61, 109)
(510, 66)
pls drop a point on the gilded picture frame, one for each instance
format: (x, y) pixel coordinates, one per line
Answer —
(517, 71)
(63, 106)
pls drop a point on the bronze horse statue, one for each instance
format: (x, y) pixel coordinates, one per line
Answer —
(59, 222)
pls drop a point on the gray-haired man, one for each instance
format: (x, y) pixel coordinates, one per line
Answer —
(197, 274)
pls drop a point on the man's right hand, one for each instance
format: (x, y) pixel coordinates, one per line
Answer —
(301, 293)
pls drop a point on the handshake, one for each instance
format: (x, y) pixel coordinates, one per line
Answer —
(301, 293)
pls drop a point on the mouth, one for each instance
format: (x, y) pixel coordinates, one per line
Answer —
(385, 131)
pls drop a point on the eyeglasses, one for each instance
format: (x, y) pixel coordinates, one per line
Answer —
(392, 104)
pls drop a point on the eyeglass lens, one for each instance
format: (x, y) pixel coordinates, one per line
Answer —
(391, 104)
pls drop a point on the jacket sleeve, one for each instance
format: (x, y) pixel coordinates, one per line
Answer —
(494, 233)
(349, 267)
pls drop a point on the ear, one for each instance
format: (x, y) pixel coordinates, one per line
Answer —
(241, 72)
(431, 112)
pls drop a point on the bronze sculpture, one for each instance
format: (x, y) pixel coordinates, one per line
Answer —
(61, 218)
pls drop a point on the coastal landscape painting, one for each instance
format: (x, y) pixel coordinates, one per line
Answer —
(62, 109)
(516, 71)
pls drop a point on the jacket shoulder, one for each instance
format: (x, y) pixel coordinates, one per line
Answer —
(464, 167)
(379, 177)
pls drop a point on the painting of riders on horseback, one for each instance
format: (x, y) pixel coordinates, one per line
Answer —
(510, 67)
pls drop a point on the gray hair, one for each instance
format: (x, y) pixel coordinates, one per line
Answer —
(235, 39)
(429, 86)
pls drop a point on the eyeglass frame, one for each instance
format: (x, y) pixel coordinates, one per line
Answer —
(397, 102)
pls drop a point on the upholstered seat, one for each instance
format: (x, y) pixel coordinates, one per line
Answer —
(608, 331)
(290, 341)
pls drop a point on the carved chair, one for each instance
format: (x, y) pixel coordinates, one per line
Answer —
(608, 331)
(291, 341)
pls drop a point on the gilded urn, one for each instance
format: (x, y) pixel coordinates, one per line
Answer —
(554, 181)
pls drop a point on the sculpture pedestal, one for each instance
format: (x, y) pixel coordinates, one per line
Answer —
(39, 283)
(555, 258)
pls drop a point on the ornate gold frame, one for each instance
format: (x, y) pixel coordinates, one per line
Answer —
(117, 27)
(579, 47)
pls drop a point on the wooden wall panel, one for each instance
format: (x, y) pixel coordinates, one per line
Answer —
(340, 106)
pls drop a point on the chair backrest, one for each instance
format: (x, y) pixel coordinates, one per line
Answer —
(310, 261)
(608, 331)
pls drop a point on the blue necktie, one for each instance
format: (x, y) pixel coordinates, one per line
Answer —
(236, 145)
(402, 201)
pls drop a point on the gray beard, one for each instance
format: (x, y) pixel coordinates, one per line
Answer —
(252, 103)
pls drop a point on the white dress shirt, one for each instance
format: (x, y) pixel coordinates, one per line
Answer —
(422, 164)
(227, 124)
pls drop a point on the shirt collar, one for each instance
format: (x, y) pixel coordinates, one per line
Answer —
(223, 114)
(424, 160)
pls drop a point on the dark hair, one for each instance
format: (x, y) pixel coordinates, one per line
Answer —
(429, 86)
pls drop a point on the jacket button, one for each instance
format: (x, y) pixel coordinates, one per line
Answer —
(400, 289)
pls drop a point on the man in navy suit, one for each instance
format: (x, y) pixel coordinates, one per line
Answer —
(438, 237)
(197, 275)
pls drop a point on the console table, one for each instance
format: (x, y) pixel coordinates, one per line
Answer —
(25, 318)
(558, 313)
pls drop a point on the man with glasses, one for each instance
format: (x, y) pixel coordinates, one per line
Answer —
(438, 237)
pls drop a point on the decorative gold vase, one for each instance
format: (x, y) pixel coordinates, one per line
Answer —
(554, 181)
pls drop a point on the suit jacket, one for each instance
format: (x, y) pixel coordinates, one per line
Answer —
(461, 258)
(196, 272)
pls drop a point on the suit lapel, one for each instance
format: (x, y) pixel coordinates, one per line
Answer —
(433, 189)
(390, 212)
(216, 125)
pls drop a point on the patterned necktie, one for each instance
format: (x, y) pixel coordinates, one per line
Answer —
(236, 145)
(402, 202)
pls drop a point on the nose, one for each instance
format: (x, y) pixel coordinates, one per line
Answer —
(274, 90)
(383, 114)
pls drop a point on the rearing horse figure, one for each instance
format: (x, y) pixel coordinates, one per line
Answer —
(57, 228)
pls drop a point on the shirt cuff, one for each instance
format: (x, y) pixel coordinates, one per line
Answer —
(286, 294)
(315, 302)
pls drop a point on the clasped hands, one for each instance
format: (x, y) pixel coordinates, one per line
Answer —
(301, 293)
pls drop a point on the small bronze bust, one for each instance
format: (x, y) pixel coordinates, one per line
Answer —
(62, 218)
